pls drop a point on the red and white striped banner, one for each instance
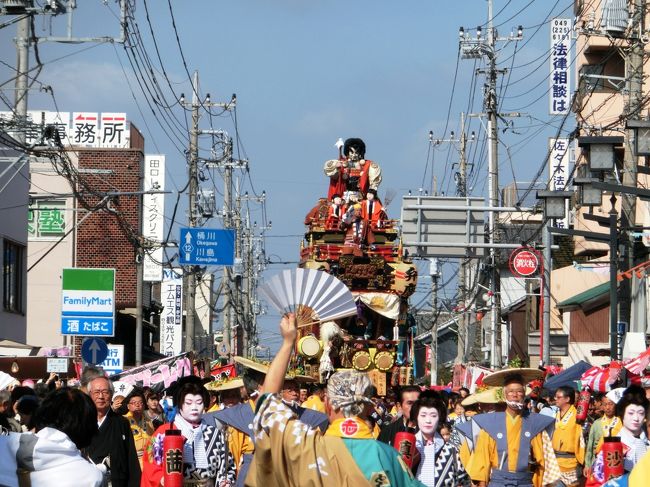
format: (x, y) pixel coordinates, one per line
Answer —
(596, 378)
(639, 364)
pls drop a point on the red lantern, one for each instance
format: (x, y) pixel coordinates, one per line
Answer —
(404, 443)
(173, 458)
(612, 457)
(582, 407)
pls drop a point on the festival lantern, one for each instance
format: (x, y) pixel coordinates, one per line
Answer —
(582, 406)
(612, 457)
(404, 443)
(173, 458)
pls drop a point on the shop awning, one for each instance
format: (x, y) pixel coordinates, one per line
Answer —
(588, 299)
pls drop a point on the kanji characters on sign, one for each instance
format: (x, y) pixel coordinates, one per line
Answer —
(560, 62)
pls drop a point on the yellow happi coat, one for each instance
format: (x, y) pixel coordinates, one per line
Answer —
(485, 456)
(314, 402)
(568, 438)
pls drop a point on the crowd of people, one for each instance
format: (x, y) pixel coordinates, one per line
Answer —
(270, 428)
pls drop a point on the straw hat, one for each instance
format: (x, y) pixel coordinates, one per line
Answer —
(299, 378)
(264, 369)
(493, 395)
(524, 375)
(251, 364)
(228, 385)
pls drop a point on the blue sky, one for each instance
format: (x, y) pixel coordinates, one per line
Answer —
(307, 73)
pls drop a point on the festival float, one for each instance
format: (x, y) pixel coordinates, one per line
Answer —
(350, 236)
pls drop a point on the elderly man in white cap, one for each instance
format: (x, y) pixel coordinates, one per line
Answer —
(288, 452)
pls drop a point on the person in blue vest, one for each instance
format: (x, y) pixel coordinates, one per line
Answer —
(240, 417)
(514, 447)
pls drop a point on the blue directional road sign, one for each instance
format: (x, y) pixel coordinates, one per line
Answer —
(94, 350)
(207, 246)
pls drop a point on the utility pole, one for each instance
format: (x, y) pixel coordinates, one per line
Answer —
(22, 52)
(434, 272)
(248, 284)
(493, 190)
(634, 105)
(461, 190)
(189, 278)
(547, 242)
(227, 271)
(473, 49)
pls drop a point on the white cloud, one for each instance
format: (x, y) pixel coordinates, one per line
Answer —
(89, 86)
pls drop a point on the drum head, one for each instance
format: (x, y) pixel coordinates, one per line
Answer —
(361, 360)
(384, 361)
(309, 346)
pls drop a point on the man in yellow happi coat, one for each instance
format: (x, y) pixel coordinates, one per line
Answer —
(568, 443)
(514, 447)
(315, 401)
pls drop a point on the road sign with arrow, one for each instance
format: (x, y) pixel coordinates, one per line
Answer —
(94, 350)
(207, 246)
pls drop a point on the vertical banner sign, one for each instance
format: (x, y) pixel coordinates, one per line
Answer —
(560, 60)
(558, 168)
(171, 319)
(153, 212)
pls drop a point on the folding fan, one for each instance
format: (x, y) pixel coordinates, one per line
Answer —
(314, 296)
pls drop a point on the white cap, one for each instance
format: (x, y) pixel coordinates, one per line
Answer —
(615, 395)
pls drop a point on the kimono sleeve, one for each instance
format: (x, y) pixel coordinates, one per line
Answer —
(284, 447)
(152, 459)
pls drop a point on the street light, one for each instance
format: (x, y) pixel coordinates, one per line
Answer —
(554, 207)
(588, 195)
(601, 152)
(554, 203)
(641, 136)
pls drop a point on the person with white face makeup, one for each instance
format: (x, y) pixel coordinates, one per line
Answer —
(206, 459)
(439, 464)
(631, 407)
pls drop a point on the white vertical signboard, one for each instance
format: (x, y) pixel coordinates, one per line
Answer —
(558, 167)
(560, 64)
(153, 212)
(171, 319)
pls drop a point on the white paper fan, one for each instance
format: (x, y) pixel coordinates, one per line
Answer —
(309, 292)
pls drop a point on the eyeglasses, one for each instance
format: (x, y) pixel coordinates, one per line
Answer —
(136, 403)
(515, 391)
(101, 392)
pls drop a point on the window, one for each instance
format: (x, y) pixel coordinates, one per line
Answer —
(603, 73)
(12, 276)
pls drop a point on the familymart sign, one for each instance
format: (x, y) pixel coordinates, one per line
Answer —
(88, 302)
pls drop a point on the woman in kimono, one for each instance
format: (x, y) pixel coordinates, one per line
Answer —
(206, 459)
(631, 407)
(439, 464)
